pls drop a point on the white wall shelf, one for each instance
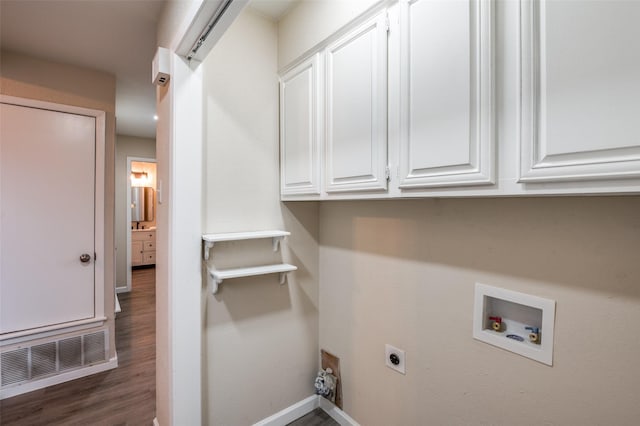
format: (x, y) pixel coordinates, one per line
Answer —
(217, 276)
(211, 239)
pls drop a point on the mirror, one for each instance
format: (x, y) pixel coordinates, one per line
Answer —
(142, 205)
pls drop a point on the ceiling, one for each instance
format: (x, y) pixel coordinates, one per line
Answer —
(115, 36)
(274, 9)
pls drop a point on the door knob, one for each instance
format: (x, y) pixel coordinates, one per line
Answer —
(85, 257)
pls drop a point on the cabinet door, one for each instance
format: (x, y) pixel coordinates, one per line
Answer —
(149, 258)
(356, 94)
(580, 90)
(136, 252)
(300, 130)
(446, 93)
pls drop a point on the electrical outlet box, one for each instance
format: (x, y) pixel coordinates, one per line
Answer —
(525, 323)
(395, 358)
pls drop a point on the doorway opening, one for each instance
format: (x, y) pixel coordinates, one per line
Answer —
(141, 218)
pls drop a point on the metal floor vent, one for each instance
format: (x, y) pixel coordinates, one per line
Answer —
(51, 358)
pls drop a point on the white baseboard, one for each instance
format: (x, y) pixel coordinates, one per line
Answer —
(59, 378)
(307, 405)
(336, 413)
(155, 422)
(291, 413)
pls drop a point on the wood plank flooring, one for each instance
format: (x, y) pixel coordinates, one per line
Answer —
(315, 418)
(123, 396)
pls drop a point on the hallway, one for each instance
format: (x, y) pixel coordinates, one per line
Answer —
(123, 396)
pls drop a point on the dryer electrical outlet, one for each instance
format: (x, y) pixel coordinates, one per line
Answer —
(395, 358)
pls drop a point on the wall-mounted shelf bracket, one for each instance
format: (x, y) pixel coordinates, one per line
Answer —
(208, 245)
(211, 239)
(217, 276)
(275, 241)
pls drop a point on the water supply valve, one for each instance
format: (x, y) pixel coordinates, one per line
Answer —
(497, 323)
(534, 335)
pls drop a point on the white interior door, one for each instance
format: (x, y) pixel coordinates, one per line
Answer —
(47, 187)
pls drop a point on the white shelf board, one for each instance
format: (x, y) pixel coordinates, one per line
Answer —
(211, 239)
(236, 236)
(223, 274)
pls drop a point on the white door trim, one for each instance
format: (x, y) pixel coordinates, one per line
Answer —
(128, 224)
(100, 252)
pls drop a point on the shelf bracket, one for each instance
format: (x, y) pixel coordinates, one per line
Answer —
(215, 283)
(276, 242)
(283, 277)
(208, 245)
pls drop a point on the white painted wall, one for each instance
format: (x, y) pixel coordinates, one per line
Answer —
(178, 236)
(174, 21)
(403, 272)
(164, 407)
(126, 146)
(261, 341)
(178, 247)
(311, 21)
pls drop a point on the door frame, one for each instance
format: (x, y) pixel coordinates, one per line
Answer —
(131, 159)
(99, 215)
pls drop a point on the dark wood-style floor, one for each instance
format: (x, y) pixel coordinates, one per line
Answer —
(123, 396)
(315, 418)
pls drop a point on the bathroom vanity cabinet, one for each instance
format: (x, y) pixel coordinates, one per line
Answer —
(143, 247)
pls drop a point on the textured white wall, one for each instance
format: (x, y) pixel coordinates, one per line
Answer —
(179, 220)
(174, 20)
(403, 272)
(164, 406)
(178, 247)
(261, 342)
(311, 21)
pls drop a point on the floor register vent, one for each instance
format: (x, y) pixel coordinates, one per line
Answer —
(42, 360)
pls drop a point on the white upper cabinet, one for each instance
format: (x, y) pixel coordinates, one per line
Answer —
(446, 93)
(300, 129)
(438, 98)
(356, 109)
(580, 84)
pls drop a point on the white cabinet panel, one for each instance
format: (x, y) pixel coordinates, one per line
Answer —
(356, 94)
(446, 93)
(580, 90)
(300, 130)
